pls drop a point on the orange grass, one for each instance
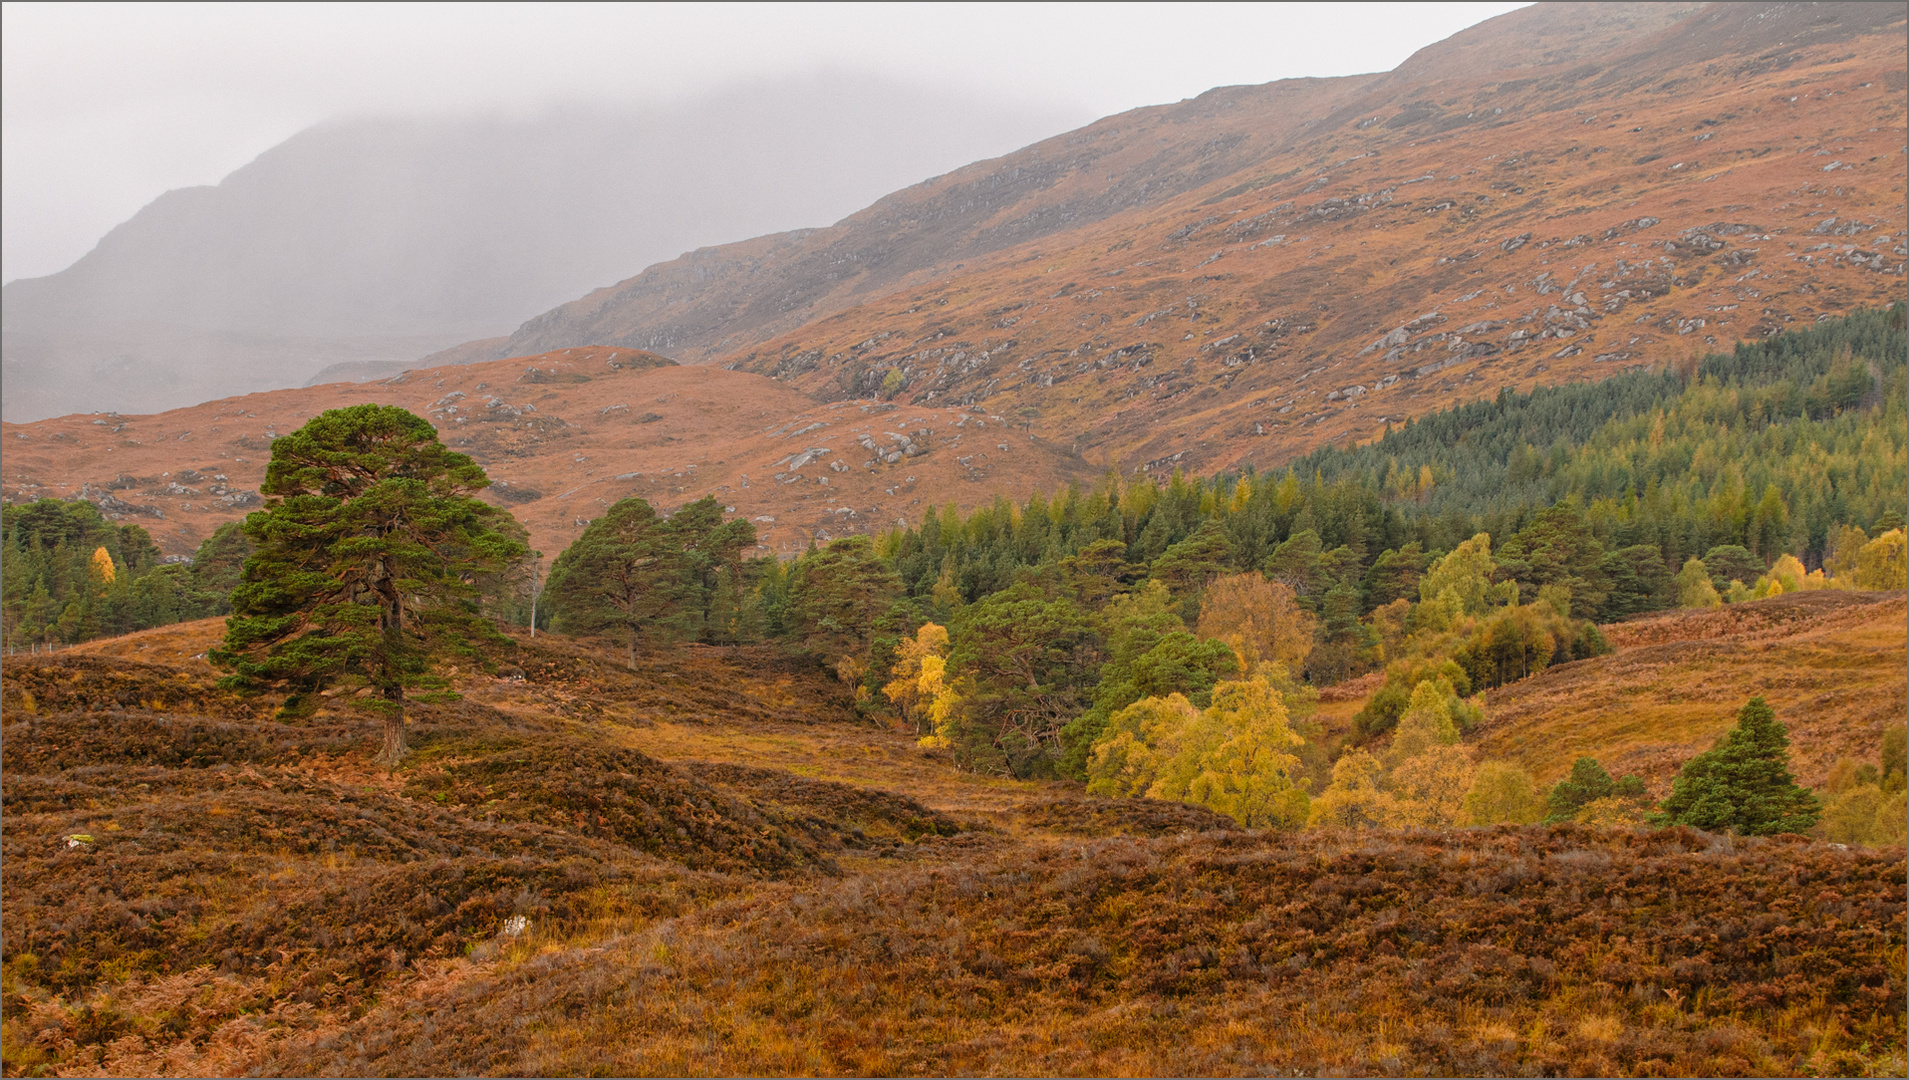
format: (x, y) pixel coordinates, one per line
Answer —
(1831, 663)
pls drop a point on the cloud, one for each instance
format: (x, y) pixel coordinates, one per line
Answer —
(105, 106)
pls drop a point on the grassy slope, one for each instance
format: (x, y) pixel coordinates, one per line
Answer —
(258, 898)
(1830, 663)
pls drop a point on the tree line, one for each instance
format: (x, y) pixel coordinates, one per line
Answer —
(68, 575)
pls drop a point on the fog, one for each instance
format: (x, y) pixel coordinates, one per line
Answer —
(380, 240)
(105, 106)
(208, 200)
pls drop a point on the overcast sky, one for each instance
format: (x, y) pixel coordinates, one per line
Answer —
(105, 106)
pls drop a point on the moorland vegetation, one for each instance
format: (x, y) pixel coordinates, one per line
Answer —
(198, 887)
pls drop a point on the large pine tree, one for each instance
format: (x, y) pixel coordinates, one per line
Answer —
(1744, 783)
(366, 557)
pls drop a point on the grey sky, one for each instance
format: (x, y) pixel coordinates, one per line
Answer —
(105, 106)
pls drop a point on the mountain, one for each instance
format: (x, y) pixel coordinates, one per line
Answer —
(373, 241)
(1551, 195)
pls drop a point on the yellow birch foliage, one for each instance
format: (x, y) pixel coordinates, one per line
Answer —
(943, 701)
(1694, 588)
(1139, 740)
(1861, 807)
(1429, 788)
(1235, 758)
(1789, 571)
(1426, 722)
(1466, 572)
(1881, 563)
(1260, 619)
(1502, 793)
(1353, 799)
(905, 685)
(1238, 760)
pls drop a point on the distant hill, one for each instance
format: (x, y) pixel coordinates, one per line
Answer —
(366, 241)
(563, 435)
(1554, 194)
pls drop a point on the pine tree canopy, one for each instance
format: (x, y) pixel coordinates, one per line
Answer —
(639, 576)
(366, 557)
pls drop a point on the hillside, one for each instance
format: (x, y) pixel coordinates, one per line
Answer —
(563, 435)
(1555, 194)
(372, 241)
(707, 866)
(1830, 663)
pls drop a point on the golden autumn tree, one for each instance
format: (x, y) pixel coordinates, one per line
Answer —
(1694, 587)
(1881, 563)
(1353, 799)
(1429, 788)
(102, 566)
(1139, 740)
(1259, 619)
(1426, 722)
(906, 684)
(1788, 571)
(1502, 793)
(1238, 759)
(1235, 757)
(943, 700)
(1466, 574)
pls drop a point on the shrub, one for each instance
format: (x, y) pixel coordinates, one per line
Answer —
(1588, 783)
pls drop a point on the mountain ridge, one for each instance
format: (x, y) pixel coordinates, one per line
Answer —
(1350, 282)
(1300, 168)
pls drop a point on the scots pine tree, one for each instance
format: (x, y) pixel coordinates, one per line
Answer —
(365, 559)
(1744, 783)
(626, 576)
(835, 595)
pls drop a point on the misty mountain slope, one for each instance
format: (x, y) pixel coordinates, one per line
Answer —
(708, 301)
(1547, 196)
(381, 239)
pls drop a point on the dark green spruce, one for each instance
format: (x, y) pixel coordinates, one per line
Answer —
(1744, 783)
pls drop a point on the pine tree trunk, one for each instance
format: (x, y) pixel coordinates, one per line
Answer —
(394, 747)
